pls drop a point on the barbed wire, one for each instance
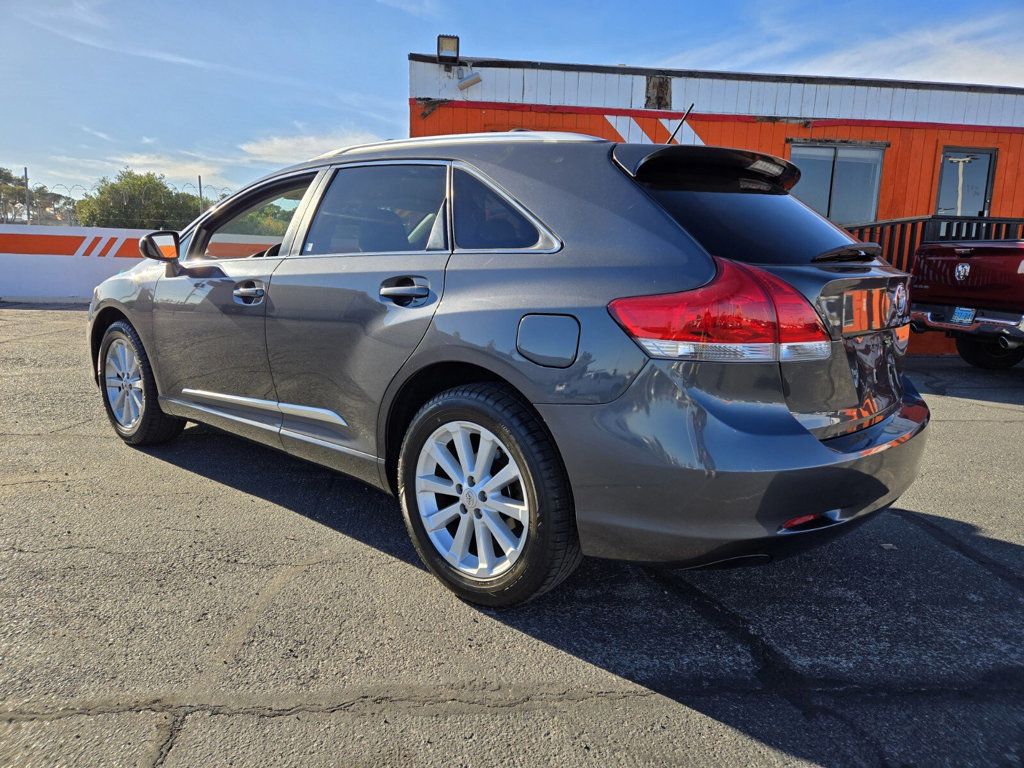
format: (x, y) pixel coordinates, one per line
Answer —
(58, 205)
(78, 191)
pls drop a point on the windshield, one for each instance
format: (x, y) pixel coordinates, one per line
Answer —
(746, 219)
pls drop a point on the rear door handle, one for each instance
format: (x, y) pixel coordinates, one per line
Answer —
(249, 292)
(405, 290)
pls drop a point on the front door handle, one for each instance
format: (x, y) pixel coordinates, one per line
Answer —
(249, 292)
(405, 292)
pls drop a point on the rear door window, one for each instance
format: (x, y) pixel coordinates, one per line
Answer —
(746, 220)
(484, 220)
(381, 209)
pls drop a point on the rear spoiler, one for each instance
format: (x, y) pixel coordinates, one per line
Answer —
(639, 160)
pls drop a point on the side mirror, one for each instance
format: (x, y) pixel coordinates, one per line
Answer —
(160, 246)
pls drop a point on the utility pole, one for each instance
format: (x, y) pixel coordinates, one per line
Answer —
(28, 206)
(960, 162)
(200, 195)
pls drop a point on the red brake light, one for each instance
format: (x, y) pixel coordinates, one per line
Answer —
(744, 313)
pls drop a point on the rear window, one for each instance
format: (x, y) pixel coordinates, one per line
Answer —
(746, 219)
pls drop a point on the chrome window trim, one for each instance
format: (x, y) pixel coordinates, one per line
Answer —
(331, 171)
(554, 243)
(288, 239)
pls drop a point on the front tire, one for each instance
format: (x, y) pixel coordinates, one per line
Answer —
(129, 391)
(987, 354)
(485, 497)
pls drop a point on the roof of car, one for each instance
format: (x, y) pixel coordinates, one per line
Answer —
(513, 136)
(630, 156)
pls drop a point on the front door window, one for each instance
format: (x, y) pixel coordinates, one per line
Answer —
(965, 182)
(257, 227)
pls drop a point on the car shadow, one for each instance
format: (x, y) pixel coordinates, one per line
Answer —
(830, 656)
(950, 376)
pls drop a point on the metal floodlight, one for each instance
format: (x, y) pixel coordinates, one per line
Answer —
(447, 49)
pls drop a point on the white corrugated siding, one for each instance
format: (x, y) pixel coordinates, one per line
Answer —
(715, 95)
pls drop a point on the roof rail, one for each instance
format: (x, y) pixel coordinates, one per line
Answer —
(516, 134)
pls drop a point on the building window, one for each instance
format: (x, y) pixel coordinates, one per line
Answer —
(839, 181)
(965, 182)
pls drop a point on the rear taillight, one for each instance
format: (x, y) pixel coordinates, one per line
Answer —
(743, 314)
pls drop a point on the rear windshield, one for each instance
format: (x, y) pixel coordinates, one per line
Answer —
(746, 220)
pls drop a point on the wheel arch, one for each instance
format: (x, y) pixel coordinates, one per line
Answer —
(105, 318)
(419, 387)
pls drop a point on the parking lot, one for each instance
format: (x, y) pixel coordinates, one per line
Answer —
(212, 602)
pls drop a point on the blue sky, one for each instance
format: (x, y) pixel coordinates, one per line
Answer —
(232, 90)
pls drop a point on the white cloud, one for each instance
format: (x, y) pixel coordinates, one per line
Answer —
(148, 140)
(414, 7)
(97, 134)
(280, 150)
(372, 105)
(983, 49)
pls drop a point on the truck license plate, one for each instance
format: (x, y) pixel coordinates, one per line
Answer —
(962, 316)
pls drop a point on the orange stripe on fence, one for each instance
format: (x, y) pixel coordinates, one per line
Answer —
(107, 247)
(90, 246)
(129, 249)
(56, 245)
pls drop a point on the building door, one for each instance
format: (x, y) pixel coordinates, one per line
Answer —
(965, 182)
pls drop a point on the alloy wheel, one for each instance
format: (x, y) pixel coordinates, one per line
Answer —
(123, 384)
(471, 498)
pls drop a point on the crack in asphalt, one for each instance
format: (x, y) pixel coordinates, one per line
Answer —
(944, 537)
(469, 701)
(777, 676)
(174, 727)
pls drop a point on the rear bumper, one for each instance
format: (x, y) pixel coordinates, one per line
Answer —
(987, 322)
(669, 473)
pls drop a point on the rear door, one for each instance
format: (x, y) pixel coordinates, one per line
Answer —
(209, 314)
(979, 275)
(739, 215)
(348, 309)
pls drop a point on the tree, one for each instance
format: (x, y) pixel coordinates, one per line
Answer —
(47, 207)
(137, 201)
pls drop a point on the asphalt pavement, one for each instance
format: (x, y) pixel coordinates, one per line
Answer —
(212, 602)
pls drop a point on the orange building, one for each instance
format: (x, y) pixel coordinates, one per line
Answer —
(868, 150)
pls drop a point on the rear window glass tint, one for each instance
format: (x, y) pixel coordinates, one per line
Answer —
(380, 209)
(746, 220)
(484, 220)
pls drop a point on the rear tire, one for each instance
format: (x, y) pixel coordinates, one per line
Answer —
(987, 354)
(535, 544)
(138, 419)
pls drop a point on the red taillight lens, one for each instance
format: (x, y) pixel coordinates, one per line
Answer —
(744, 313)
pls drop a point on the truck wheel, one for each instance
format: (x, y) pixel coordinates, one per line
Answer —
(985, 353)
(485, 497)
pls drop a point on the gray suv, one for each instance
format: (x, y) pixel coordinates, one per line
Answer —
(546, 345)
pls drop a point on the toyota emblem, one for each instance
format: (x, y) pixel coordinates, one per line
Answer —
(962, 271)
(900, 300)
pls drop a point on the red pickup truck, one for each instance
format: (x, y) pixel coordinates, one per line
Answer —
(974, 292)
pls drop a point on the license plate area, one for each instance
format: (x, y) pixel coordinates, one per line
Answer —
(962, 316)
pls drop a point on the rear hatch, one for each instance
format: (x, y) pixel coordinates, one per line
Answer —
(737, 206)
(981, 274)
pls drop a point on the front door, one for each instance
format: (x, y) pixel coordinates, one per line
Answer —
(209, 314)
(965, 182)
(348, 309)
